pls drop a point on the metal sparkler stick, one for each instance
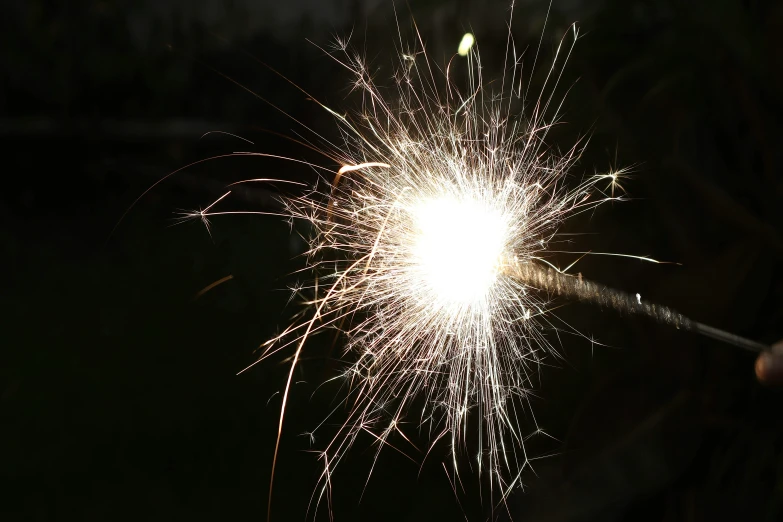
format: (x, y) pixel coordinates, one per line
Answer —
(550, 280)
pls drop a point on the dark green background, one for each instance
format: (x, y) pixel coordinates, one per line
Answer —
(119, 398)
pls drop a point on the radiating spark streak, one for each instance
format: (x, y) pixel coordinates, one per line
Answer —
(630, 256)
(243, 213)
(213, 285)
(383, 442)
(203, 214)
(266, 180)
(227, 134)
(288, 387)
(351, 168)
(204, 160)
(218, 200)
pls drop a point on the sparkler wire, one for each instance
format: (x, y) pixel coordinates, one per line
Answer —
(565, 285)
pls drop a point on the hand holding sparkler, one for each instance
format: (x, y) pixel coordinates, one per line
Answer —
(769, 365)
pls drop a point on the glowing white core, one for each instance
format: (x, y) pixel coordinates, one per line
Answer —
(458, 248)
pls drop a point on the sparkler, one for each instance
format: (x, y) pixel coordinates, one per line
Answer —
(439, 195)
(430, 248)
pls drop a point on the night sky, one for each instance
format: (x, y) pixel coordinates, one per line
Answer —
(119, 393)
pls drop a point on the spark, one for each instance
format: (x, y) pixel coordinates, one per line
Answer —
(213, 285)
(465, 44)
(203, 215)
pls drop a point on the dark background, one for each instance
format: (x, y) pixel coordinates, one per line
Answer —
(119, 397)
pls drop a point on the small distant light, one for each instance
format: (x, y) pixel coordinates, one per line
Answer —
(465, 44)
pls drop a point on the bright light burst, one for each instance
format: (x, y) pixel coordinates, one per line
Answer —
(442, 192)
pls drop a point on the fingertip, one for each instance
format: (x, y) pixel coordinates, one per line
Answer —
(760, 367)
(769, 367)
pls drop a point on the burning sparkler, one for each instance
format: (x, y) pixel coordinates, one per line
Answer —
(430, 247)
(441, 197)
